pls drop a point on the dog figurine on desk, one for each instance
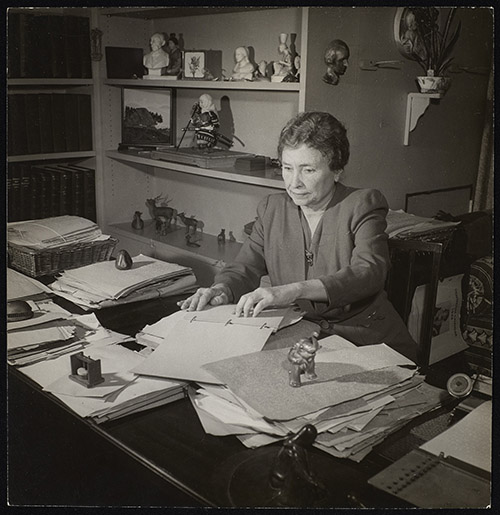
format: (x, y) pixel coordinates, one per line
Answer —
(301, 356)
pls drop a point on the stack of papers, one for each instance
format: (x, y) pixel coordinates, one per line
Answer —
(361, 395)
(102, 284)
(180, 344)
(122, 392)
(22, 287)
(404, 225)
(53, 232)
(50, 332)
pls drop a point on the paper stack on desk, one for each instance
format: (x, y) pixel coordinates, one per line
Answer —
(122, 392)
(360, 396)
(103, 285)
(53, 232)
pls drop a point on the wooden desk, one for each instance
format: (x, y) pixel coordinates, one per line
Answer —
(161, 457)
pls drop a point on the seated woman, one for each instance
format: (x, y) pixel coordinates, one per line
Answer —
(322, 244)
(243, 69)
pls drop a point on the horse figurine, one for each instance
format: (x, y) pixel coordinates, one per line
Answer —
(162, 215)
(191, 223)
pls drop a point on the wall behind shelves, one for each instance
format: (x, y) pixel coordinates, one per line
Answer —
(444, 148)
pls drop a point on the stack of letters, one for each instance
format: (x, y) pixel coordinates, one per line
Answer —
(103, 285)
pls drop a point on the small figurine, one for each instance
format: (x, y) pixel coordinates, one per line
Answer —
(243, 69)
(291, 474)
(123, 260)
(175, 56)
(157, 59)
(301, 356)
(261, 72)
(137, 222)
(191, 223)
(336, 60)
(162, 215)
(284, 66)
(231, 237)
(221, 237)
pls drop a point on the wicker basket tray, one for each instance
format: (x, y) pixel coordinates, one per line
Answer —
(36, 262)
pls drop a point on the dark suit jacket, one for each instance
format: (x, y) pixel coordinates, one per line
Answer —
(351, 259)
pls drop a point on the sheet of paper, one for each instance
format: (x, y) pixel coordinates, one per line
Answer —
(29, 338)
(39, 317)
(19, 286)
(194, 344)
(261, 379)
(468, 440)
(271, 318)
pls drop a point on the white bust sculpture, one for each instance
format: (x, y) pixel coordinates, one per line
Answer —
(157, 58)
(243, 69)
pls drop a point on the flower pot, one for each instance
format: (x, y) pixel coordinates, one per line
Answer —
(429, 84)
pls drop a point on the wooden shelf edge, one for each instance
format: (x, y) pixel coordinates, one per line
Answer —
(204, 84)
(50, 82)
(210, 251)
(256, 177)
(55, 155)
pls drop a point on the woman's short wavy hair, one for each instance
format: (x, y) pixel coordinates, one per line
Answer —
(318, 130)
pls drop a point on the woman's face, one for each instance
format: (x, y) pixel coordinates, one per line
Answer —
(308, 179)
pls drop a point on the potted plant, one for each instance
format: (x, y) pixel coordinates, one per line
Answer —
(429, 40)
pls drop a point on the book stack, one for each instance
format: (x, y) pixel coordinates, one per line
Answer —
(48, 46)
(103, 285)
(49, 190)
(40, 123)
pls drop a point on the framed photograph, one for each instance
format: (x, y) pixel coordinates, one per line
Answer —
(194, 64)
(148, 117)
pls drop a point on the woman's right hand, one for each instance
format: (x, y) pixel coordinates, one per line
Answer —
(216, 295)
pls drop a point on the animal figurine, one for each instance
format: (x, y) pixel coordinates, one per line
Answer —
(221, 237)
(231, 236)
(167, 213)
(301, 356)
(191, 223)
(137, 222)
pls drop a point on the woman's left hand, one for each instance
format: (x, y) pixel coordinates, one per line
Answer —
(251, 304)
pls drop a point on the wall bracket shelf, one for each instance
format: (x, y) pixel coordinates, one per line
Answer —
(416, 105)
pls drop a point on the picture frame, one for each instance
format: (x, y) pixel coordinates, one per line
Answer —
(148, 117)
(194, 65)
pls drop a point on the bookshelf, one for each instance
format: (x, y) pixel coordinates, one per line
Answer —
(50, 100)
(224, 197)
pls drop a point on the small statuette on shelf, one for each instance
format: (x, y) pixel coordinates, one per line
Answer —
(192, 240)
(243, 69)
(191, 223)
(221, 237)
(137, 222)
(157, 60)
(231, 237)
(282, 67)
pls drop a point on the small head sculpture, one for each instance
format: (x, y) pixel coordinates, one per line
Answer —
(336, 59)
(156, 41)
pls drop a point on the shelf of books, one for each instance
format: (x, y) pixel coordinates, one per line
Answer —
(210, 250)
(268, 177)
